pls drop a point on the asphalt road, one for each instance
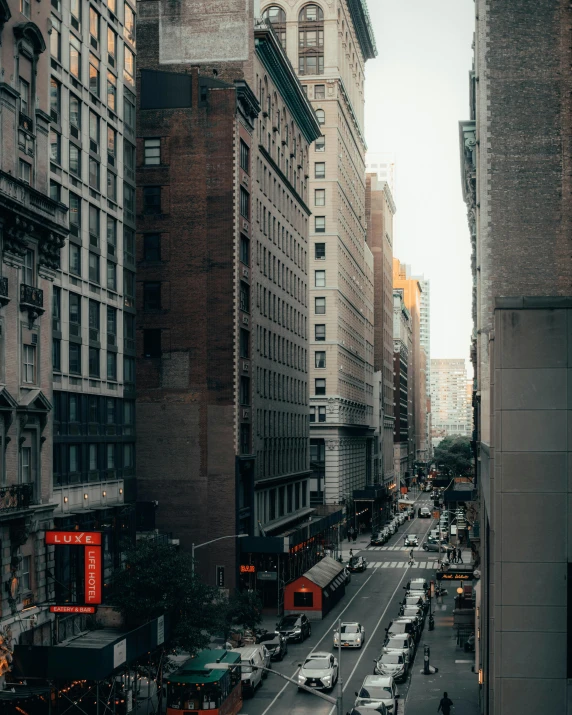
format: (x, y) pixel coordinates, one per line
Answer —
(373, 599)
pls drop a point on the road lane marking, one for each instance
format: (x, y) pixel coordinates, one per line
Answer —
(348, 679)
(385, 565)
(327, 633)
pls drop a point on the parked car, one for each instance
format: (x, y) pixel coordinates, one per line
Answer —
(417, 612)
(252, 658)
(319, 671)
(411, 540)
(357, 564)
(402, 643)
(392, 663)
(353, 635)
(413, 601)
(417, 584)
(295, 627)
(378, 539)
(276, 644)
(377, 690)
(402, 625)
(367, 711)
(424, 513)
(401, 516)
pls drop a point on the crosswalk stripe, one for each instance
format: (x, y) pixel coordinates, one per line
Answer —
(385, 565)
(393, 564)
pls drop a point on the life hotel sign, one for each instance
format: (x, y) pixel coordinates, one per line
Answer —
(91, 543)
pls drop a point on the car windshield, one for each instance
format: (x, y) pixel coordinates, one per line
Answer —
(397, 643)
(317, 664)
(373, 692)
(350, 628)
(398, 628)
(289, 622)
(392, 659)
(271, 638)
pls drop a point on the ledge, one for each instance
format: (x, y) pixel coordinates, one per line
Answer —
(534, 302)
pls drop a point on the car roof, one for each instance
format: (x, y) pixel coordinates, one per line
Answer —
(381, 681)
(318, 654)
(249, 650)
(350, 623)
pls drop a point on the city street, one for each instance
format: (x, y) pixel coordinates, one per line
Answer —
(373, 599)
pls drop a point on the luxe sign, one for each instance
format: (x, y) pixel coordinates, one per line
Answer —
(91, 543)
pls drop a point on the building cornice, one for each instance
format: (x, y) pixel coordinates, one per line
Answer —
(273, 57)
(362, 25)
(284, 178)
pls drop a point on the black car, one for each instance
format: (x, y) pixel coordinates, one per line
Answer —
(275, 644)
(295, 627)
(378, 539)
(357, 564)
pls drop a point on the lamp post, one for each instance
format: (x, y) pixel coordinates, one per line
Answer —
(206, 543)
(340, 694)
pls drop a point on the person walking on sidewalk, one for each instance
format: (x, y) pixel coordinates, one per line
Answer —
(445, 705)
(350, 533)
(459, 556)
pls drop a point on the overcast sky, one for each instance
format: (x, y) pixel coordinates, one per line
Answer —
(417, 90)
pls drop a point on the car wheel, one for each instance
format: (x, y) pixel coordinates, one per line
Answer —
(309, 631)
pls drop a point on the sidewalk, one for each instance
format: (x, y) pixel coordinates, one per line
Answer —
(455, 675)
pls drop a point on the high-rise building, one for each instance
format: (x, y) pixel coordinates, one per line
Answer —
(403, 437)
(33, 230)
(92, 170)
(329, 43)
(380, 209)
(223, 265)
(516, 150)
(450, 407)
(382, 164)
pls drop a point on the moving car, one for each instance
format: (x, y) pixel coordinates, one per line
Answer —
(376, 690)
(424, 513)
(357, 564)
(402, 644)
(411, 540)
(276, 644)
(432, 545)
(251, 659)
(379, 539)
(319, 671)
(392, 663)
(347, 575)
(295, 627)
(353, 635)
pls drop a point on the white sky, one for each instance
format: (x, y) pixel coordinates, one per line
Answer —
(417, 90)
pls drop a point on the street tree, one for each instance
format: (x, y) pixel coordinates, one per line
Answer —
(455, 455)
(158, 579)
(245, 609)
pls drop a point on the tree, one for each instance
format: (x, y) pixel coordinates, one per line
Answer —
(158, 579)
(245, 609)
(455, 454)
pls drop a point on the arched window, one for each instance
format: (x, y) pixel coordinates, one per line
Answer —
(321, 115)
(277, 17)
(311, 40)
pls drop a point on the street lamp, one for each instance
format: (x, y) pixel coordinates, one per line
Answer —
(228, 666)
(206, 543)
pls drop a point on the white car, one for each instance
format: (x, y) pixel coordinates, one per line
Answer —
(376, 690)
(319, 671)
(353, 635)
(392, 663)
(411, 540)
(401, 644)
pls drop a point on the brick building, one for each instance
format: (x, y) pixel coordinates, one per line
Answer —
(516, 151)
(223, 291)
(33, 229)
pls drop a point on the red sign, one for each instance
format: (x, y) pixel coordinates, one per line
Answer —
(247, 568)
(74, 538)
(72, 609)
(92, 574)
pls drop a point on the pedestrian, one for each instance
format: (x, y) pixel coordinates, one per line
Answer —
(351, 553)
(445, 705)
(459, 556)
(453, 556)
(350, 533)
(411, 559)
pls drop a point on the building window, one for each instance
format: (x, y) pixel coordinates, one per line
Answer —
(55, 191)
(128, 245)
(320, 358)
(75, 116)
(28, 273)
(111, 186)
(55, 100)
(244, 393)
(311, 64)
(75, 358)
(129, 109)
(320, 332)
(320, 279)
(320, 91)
(129, 370)
(75, 7)
(152, 343)
(94, 132)
(111, 46)
(244, 157)
(56, 354)
(277, 17)
(152, 152)
(129, 160)
(93, 173)
(74, 465)
(111, 366)
(245, 438)
(25, 568)
(110, 454)
(129, 24)
(75, 314)
(94, 311)
(93, 461)
(152, 247)
(319, 306)
(321, 116)
(75, 160)
(320, 170)
(94, 268)
(93, 362)
(111, 325)
(128, 65)
(93, 225)
(312, 414)
(75, 57)
(320, 386)
(244, 203)
(244, 343)
(94, 28)
(152, 199)
(26, 465)
(111, 91)
(244, 297)
(319, 197)
(24, 97)
(152, 295)
(29, 364)
(320, 251)
(25, 171)
(320, 224)
(321, 414)
(94, 74)
(111, 233)
(244, 250)
(320, 144)
(127, 456)
(111, 276)
(129, 288)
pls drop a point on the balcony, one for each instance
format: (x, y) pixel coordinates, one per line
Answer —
(13, 191)
(4, 291)
(16, 497)
(26, 123)
(32, 300)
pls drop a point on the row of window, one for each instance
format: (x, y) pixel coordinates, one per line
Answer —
(94, 265)
(279, 311)
(320, 412)
(273, 461)
(76, 364)
(310, 36)
(73, 459)
(279, 348)
(273, 188)
(275, 503)
(274, 386)
(83, 410)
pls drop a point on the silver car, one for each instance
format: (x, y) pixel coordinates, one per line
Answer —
(401, 644)
(375, 691)
(392, 663)
(353, 635)
(319, 671)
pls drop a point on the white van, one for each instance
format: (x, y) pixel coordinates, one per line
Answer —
(253, 655)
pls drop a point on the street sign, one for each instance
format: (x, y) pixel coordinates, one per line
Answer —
(267, 576)
(455, 576)
(220, 576)
(73, 609)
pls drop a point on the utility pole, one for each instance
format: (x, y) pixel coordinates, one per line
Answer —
(340, 695)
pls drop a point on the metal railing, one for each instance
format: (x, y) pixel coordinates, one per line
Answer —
(3, 290)
(30, 295)
(16, 496)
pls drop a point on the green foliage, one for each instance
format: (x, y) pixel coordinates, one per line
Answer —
(158, 579)
(455, 454)
(245, 609)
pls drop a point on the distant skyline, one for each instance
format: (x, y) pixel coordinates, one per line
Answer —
(417, 90)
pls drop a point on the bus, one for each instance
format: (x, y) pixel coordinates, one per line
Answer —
(196, 690)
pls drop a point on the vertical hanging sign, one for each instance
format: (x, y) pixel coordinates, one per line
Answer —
(92, 575)
(91, 541)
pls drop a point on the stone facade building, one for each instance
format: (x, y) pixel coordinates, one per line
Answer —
(403, 435)
(516, 150)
